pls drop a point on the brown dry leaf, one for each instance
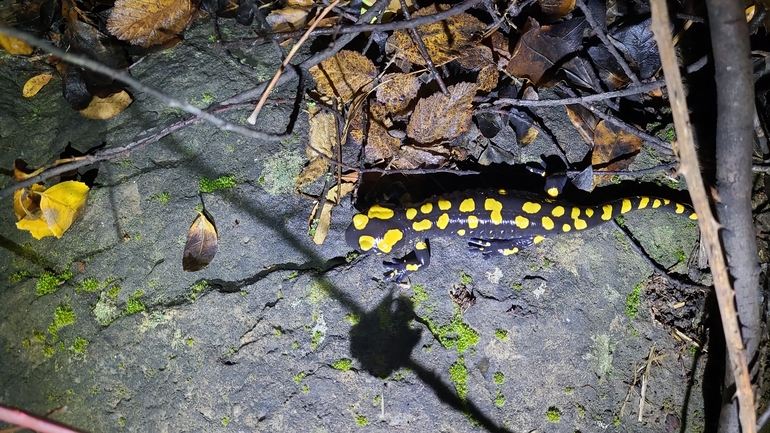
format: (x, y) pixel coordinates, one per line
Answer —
(34, 84)
(480, 58)
(540, 50)
(487, 78)
(500, 49)
(556, 8)
(397, 91)
(287, 19)
(379, 144)
(59, 205)
(15, 46)
(105, 108)
(323, 136)
(325, 218)
(444, 40)
(442, 118)
(149, 22)
(412, 157)
(584, 121)
(300, 3)
(201, 245)
(344, 76)
(614, 149)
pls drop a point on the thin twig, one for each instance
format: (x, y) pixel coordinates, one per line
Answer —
(138, 85)
(423, 50)
(253, 118)
(32, 422)
(708, 224)
(645, 379)
(644, 88)
(607, 44)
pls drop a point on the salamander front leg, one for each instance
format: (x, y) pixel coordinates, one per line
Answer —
(502, 247)
(417, 259)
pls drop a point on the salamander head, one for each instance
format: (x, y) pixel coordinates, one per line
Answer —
(377, 230)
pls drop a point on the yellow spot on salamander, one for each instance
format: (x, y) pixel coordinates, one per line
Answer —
(656, 203)
(411, 213)
(679, 208)
(531, 207)
(607, 212)
(380, 212)
(502, 192)
(580, 224)
(390, 239)
(547, 223)
(468, 205)
(694, 217)
(360, 221)
(589, 212)
(521, 222)
(442, 221)
(412, 267)
(495, 206)
(423, 225)
(365, 243)
(625, 205)
(473, 221)
(421, 246)
(426, 208)
(461, 232)
(643, 202)
(444, 204)
(553, 191)
(575, 212)
(666, 201)
(566, 227)
(538, 239)
(557, 211)
(508, 252)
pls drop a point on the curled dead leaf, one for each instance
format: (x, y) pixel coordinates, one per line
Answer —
(34, 84)
(287, 19)
(105, 108)
(397, 91)
(201, 245)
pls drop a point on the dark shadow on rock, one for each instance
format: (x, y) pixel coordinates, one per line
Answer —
(449, 397)
(26, 253)
(704, 323)
(713, 375)
(383, 341)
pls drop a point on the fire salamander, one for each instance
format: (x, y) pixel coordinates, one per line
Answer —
(496, 222)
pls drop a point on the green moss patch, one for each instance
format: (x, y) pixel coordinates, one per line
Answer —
(223, 182)
(458, 374)
(343, 364)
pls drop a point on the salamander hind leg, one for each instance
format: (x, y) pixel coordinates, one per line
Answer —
(502, 247)
(419, 258)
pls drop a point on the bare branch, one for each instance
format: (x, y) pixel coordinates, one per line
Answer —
(127, 79)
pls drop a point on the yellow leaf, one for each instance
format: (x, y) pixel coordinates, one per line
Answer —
(14, 46)
(105, 108)
(34, 84)
(38, 228)
(61, 204)
(26, 204)
(325, 218)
